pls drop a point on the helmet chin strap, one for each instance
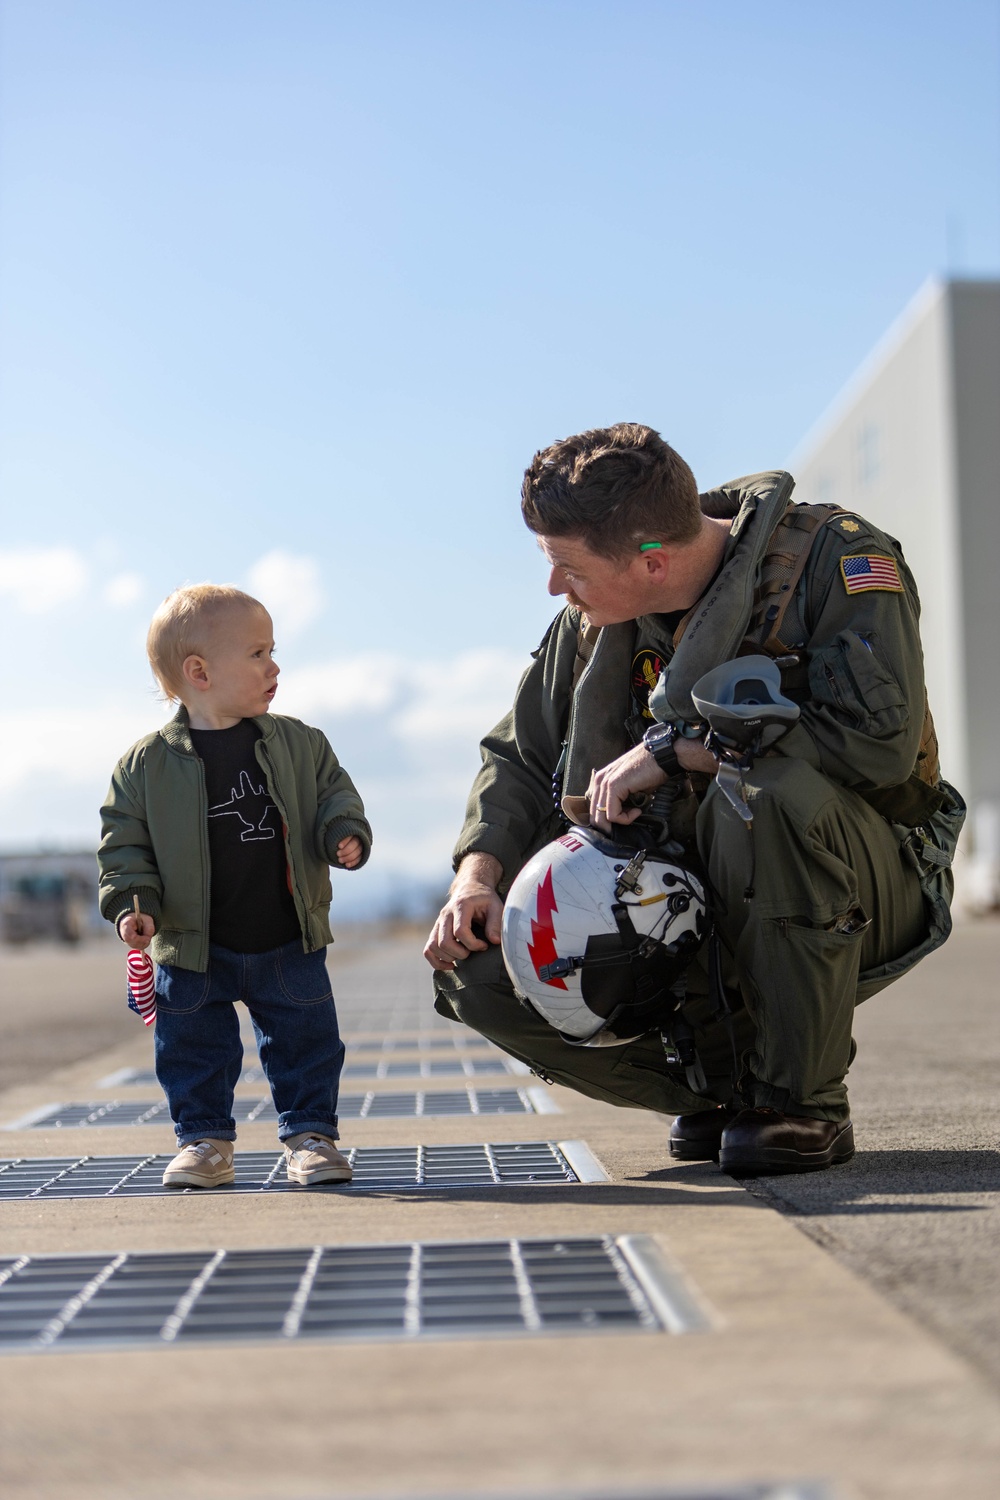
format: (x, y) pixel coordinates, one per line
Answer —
(639, 953)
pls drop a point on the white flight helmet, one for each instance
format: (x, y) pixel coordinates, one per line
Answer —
(595, 934)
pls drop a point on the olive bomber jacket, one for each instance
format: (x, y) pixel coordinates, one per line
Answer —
(861, 689)
(155, 832)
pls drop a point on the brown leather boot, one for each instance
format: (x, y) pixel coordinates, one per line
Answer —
(696, 1137)
(764, 1143)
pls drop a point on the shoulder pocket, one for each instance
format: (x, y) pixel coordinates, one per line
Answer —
(850, 677)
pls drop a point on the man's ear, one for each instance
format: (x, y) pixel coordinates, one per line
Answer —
(194, 670)
(657, 561)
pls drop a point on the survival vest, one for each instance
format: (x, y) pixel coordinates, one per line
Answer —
(783, 563)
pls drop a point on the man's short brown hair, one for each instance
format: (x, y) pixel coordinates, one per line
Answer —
(613, 488)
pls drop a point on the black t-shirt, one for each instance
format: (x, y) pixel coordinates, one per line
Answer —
(252, 908)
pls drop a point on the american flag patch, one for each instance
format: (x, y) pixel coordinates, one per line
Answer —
(868, 572)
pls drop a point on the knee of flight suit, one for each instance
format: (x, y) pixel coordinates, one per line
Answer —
(776, 786)
(794, 860)
(478, 993)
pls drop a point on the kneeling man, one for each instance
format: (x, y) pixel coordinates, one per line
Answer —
(841, 881)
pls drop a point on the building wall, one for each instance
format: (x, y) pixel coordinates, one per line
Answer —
(975, 337)
(914, 443)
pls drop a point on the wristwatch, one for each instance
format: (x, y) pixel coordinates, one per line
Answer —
(659, 741)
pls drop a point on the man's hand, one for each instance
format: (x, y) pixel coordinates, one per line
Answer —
(637, 771)
(137, 931)
(473, 898)
(349, 852)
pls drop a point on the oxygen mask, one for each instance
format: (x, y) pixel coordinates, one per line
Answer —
(746, 712)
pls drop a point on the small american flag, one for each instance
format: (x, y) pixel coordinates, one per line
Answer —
(141, 985)
(864, 573)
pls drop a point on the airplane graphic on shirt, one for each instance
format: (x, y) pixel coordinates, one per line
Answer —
(253, 807)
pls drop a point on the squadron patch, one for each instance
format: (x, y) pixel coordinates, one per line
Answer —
(861, 574)
(646, 669)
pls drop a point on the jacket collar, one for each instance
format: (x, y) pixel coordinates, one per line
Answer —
(177, 731)
(720, 619)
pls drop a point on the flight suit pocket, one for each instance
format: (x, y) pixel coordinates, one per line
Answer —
(850, 677)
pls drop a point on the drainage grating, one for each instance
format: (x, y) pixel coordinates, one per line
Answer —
(458, 1067)
(145, 1078)
(461, 1042)
(773, 1490)
(368, 1106)
(410, 1291)
(438, 1067)
(376, 1169)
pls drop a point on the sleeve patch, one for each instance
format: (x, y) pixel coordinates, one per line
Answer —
(863, 573)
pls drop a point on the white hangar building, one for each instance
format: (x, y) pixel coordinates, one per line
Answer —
(913, 441)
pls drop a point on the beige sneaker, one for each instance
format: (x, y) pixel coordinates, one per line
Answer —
(202, 1164)
(313, 1158)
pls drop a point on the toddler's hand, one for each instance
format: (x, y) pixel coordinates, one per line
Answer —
(137, 931)
(349, 852)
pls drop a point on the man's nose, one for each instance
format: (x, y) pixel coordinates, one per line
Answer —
(557, 581)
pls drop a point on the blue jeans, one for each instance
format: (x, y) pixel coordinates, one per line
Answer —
(199, 1054)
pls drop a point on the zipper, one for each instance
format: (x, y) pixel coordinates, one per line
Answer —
(206, 856)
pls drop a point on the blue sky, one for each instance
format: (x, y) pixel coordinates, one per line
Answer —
(291, 291)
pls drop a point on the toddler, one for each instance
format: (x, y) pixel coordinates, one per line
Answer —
(224, 823)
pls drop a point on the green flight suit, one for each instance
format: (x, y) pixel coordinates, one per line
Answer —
(822, 900)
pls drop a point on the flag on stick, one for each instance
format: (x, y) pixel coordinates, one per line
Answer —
(141, 985)
(141, 981)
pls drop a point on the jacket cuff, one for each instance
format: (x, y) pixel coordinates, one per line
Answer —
(488, 838)
(121, 905)
(344, 828)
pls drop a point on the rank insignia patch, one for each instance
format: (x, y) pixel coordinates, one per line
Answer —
(849, 526)
(861, 574)
(646, 669)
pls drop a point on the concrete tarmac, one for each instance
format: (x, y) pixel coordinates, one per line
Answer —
(837, 1356)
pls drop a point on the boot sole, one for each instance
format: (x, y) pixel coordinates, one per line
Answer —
(691, 1151)
(188, 1179)
(779, 1161)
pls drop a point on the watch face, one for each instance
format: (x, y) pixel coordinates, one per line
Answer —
(660, 732)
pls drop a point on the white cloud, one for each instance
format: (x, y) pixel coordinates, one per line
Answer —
(358, 684)
(408, 732)
(458, 699)
(39, 579)
(289, 587)
(428, 702)
(74, 745)
(123, 590)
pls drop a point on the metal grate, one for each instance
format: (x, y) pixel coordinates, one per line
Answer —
(459, 1067)
(145, 1078)
(376, 1169)
(409, 1291)
(462, 1041)
(438, 1067)
(122, 1112)
(774, 1490)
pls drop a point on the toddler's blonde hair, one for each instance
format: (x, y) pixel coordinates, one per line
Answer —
(182, 627)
